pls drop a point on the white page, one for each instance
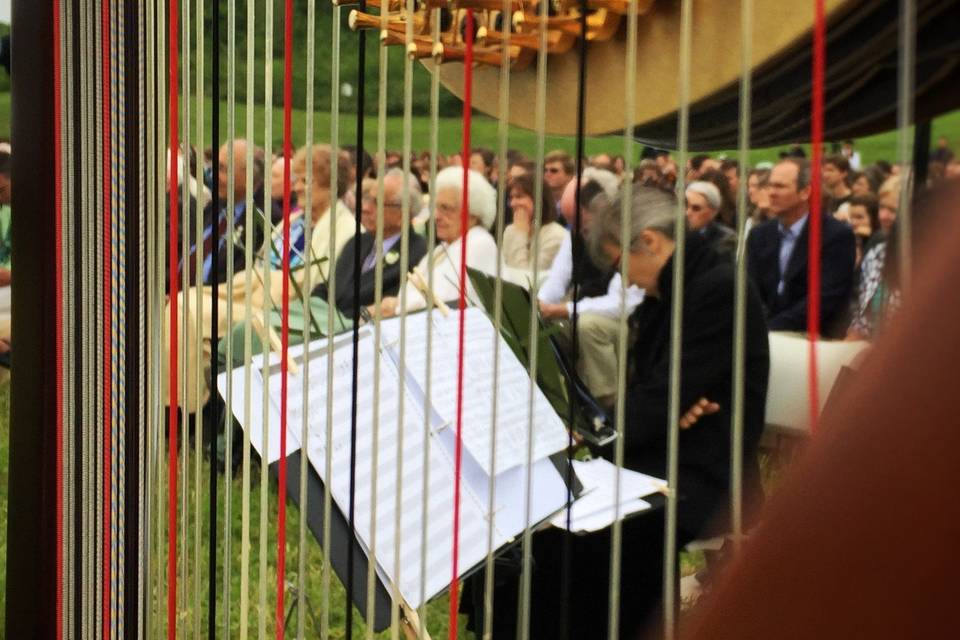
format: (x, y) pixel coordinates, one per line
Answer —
(601, 519)
(295, 398)
(380, 538)
(598, 477)
(513, 388)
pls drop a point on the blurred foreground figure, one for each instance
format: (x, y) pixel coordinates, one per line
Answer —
(860, 541)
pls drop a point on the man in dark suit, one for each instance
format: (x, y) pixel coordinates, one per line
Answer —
(777, 256)
(364, 244)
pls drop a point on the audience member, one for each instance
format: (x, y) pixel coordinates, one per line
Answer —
(482, 161)
(703, 204)
(276, 189)
(598, 291)
(727, 213)
(777, 256)
(851, 155)
(889, 197)
(602, 161)
(558, 170)
(482, 253)
(865, 222)
(835, 170)
(517, 246)
(648, 173)
(731, 171)
(390, 252)
(6, 242)
(758, 193)
(943, 153)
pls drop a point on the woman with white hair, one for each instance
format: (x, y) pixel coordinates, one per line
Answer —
(482, 253)
(703, 204)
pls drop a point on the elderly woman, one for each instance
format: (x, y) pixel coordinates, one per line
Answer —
(518, 236)
(482, 253)
(703, 204)
(706, 380)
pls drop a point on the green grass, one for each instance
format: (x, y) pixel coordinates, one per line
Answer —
(484, 133)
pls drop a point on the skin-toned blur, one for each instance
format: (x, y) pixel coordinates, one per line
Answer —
(786, 201)
(239, 171)
(699, 212)
(859, 220)
(448, 214)
(889, 204)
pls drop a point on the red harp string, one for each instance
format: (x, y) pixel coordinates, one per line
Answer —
(813, 264)
(285, 322)
(464, 221)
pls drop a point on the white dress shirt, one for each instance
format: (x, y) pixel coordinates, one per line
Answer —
(558, 283)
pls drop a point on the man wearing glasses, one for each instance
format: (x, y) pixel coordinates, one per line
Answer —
(558, 170)
(364, 243)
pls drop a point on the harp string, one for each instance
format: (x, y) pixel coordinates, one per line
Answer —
(61, 550)
(905, 114)
(814, 245)
(308, 318)
(567, 552)
(382, 70)
(182, 155)
(354, 391)
(331, 306)
(285, 313)
(464, 222)
(173, 420)
(538, 195)
(626, 231)
(230, 214)
(217, 417)
(119, 294)
(247, 330)
(740, 283)
(428, 372)
(268, 304)
(502, 142)
(404, 266)
(676, 332)
(198, 327)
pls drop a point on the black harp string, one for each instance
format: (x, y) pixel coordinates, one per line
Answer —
(351, 515)
(214, 314)
(567, 549)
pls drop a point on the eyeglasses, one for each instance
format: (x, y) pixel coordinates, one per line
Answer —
(448, 209)
(373, 200)
(552, 170)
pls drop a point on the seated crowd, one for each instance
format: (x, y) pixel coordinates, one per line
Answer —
(562, 238)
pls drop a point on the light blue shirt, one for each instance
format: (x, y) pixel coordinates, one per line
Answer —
(788, 240)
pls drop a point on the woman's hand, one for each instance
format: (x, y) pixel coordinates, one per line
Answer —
(700, 409)
(557, 311)
(388, 308)
(522, 219)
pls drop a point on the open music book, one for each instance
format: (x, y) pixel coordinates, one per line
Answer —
(414, 456)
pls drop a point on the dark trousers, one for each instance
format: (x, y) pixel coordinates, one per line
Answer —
(585, 613)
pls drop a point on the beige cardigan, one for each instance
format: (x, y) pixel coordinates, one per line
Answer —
(518, 246)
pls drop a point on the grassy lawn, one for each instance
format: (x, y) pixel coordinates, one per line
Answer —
(484, 132)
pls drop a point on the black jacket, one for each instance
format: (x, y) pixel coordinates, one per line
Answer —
(391, 271)
(706, 371)
(788, 311)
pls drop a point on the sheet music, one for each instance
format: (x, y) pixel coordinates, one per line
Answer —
(295, 399)
(595, 509)
(513, 388)
(391, 494)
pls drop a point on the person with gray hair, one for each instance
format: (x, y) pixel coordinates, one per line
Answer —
(705, 388)
(597, 291)
(703, 204)
(365, 243)
(482, 252)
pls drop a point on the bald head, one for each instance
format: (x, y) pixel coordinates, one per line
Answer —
(239, 170)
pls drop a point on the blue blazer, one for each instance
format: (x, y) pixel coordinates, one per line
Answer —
(788, 311)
